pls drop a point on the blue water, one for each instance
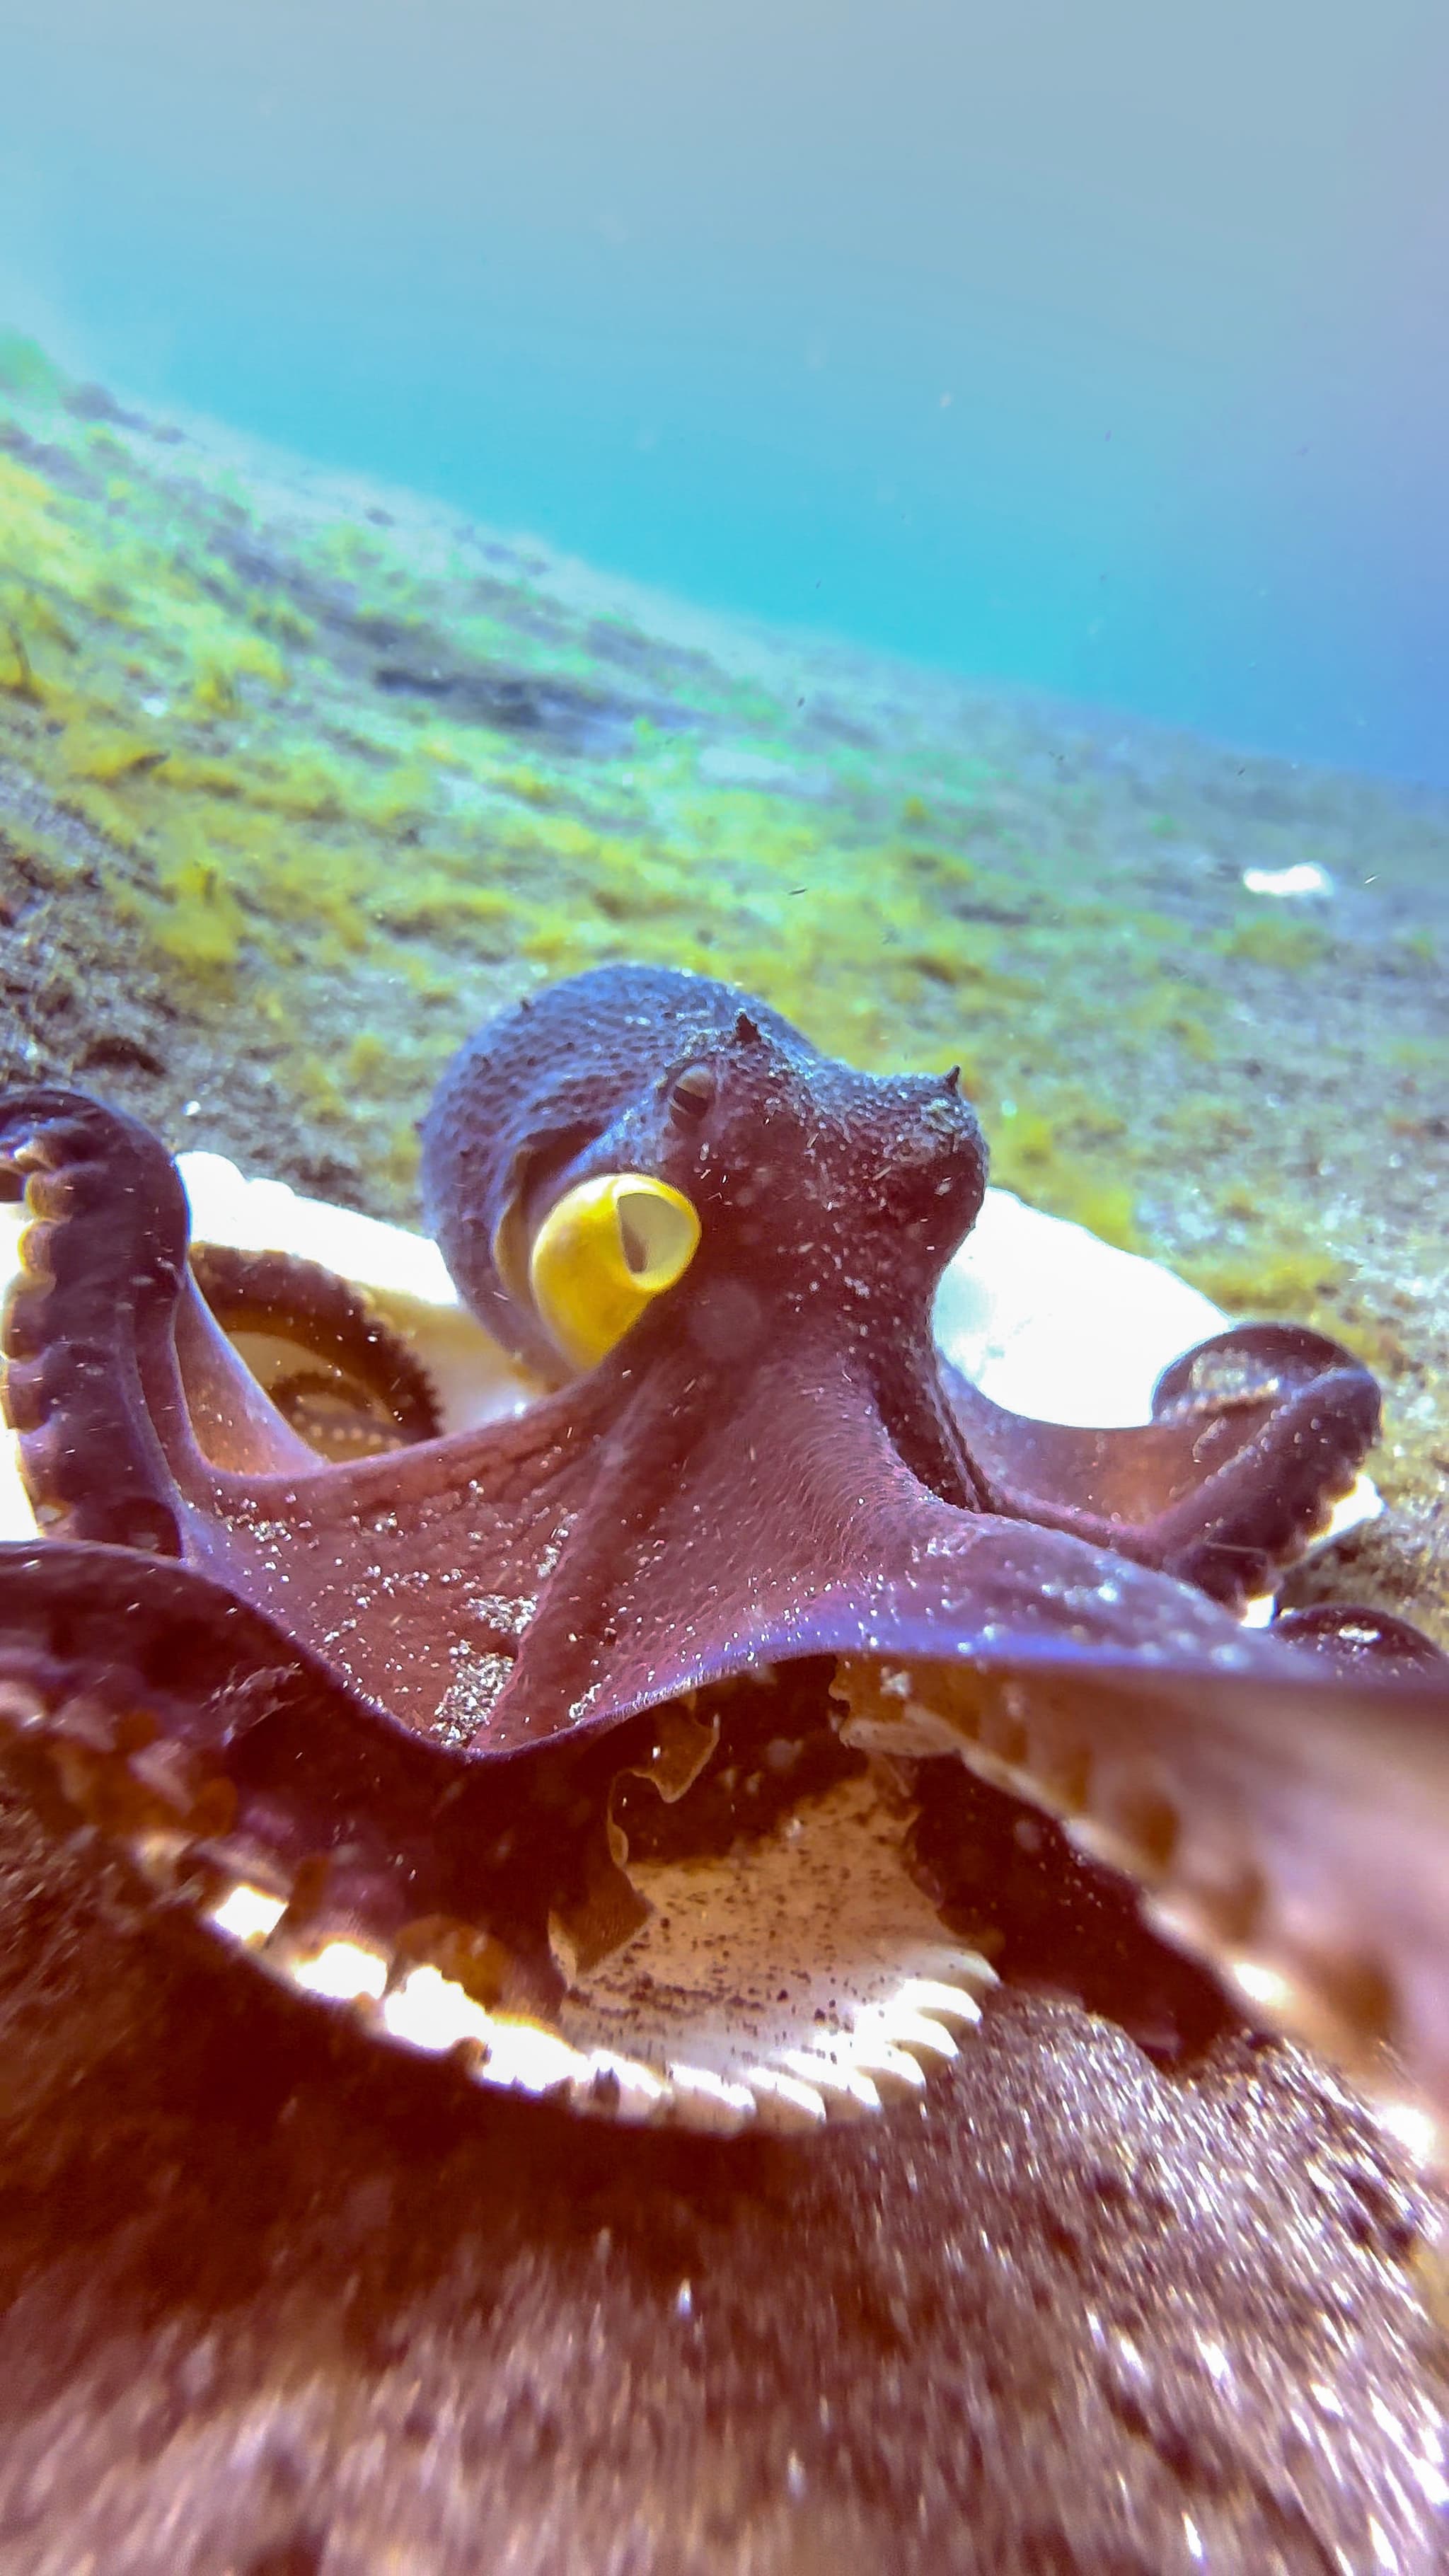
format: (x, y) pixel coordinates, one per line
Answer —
(1103, 349)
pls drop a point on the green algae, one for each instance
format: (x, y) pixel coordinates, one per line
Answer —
(1294, 947)
(197, 921)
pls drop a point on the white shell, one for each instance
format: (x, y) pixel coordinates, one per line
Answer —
(797, 1979)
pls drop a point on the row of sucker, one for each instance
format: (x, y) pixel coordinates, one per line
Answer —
(1317, 1451)
(101, 1263)
(1238, 1875)
(374, 1922)
(371, 1392)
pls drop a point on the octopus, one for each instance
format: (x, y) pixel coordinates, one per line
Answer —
(605, 1746)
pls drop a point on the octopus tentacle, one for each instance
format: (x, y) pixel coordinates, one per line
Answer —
(90, 1370)
(113, 1363)
(1360, 1642)
(510, 1587)
(382, 1393)
(1287, 1830)
(411, 1576)
(729, 1485)
(480, 1589)
(797, 1529)
(192, 1731)
(1255, 1435)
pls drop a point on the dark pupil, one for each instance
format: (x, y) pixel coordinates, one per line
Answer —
(693, 1092)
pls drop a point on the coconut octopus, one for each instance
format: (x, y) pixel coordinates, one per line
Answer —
(479, 1733)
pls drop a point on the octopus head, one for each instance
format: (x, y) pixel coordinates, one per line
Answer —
(589, 1149)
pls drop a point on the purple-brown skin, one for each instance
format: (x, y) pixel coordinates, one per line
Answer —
(361, 1656)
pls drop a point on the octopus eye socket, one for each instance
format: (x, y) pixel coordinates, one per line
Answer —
(691, 1096)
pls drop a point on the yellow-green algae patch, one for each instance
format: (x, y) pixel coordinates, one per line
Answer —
(300, 780)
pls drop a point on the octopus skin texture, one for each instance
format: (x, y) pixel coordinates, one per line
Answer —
(397, 1688)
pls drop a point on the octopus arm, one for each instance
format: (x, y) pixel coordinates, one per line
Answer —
(218, 1409)
(379, 1388)
(1255, 1435)
(186, 1725)
(116, 1372)
(1288, 1830)
(409, 1576)
(793, 1527)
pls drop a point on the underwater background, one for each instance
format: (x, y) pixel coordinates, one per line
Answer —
(936, 515)
(1099, 349)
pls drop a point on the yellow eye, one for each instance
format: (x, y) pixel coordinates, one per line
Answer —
(607, 1250)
